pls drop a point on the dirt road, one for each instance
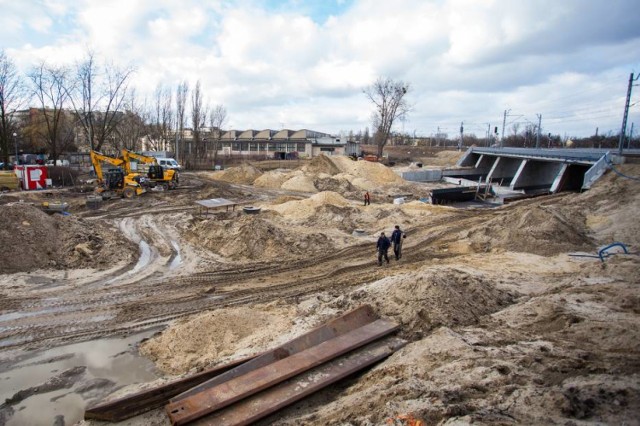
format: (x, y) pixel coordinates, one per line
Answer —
(171, 278)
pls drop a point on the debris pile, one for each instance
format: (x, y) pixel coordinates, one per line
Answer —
(33, 240)
(245, 174)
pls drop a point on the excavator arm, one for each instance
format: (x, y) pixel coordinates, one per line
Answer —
(127, 156)
(97, 159)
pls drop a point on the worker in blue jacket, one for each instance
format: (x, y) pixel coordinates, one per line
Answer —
(383, 247)
(396, 238)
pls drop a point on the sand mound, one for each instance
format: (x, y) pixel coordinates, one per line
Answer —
(256, 238)
(245, 174)
(321, 164)
(299, 182)
(430, 298)
(305, 208)
(211, 337)
(374, 172)
(335, 184)
(534, 229)
(32, 240)
(272, 180)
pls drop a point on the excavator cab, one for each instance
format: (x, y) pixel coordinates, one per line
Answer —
(114, 179)
(156, 172)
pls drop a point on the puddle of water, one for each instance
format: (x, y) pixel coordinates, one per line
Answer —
(145, 257)
(177, 260)
(29, 411)
(112, 359)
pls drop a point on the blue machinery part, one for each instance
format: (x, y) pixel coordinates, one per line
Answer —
(602, 253)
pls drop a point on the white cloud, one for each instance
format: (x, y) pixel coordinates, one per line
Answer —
(466, 60)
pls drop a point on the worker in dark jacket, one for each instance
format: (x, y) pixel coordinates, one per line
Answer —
(396, 238)
(383, 247)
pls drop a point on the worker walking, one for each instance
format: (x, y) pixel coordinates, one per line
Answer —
(383, 247)
(367, 199)
(396, 238)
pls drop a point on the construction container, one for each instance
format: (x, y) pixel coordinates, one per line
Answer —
(8, 180)
(33, 177)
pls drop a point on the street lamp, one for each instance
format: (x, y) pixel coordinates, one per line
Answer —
(15, 142)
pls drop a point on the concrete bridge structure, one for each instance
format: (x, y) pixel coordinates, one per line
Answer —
(528, 169)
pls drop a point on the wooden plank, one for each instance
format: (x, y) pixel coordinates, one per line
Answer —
(224, 394)
(273, 399)
(149, 399)
(353, 319)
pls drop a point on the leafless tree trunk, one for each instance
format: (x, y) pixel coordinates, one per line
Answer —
(98, 99)
(198, 119)
(388, 97)
(181, 102)
(51, 90)
(132, 128)
(163, 117)
(217, 119)
(13, 95)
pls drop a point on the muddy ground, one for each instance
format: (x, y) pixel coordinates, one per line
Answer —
(505, 327)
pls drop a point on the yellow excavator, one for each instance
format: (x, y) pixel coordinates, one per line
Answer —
(115, 181)
(156, 174)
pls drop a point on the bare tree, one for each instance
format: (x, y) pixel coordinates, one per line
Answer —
(163, 117)
(98, 99)
(132, 127)
(13, 96)
(51, 90)
(198, 119)
(217, 119)
(181, 102)
(388, 97)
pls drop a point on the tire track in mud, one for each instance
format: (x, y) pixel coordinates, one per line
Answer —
(141, 304)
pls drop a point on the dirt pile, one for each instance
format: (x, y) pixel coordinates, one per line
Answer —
(245, 174)
(336, 173)
(213, 337)
(305, 208)
(272, 179)
(611, 206)
(321, 164)
(299, 181)
(250, 237)
(534, 229)
(443, 159)
(34, 240)
(430, 298)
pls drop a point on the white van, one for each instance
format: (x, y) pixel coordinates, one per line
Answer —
(168, 163)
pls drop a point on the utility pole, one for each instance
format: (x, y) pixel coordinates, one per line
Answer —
(504, 123)
(461, 136)
(626, 114)
(630, 137)
(488, 134)
(539, 126)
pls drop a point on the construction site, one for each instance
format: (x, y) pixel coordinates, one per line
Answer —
(253, 294)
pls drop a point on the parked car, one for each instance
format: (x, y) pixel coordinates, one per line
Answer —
(64, 163)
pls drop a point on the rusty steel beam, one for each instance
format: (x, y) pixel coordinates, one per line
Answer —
(224, 394)
(286, 393)
(149, 399)
(351, 320)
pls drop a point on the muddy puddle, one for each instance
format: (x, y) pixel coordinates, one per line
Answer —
(55, 386)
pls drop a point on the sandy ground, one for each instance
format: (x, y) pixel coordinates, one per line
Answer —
(505, 327)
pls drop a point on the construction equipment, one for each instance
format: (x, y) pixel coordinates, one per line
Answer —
(156, 174)
(115, 181)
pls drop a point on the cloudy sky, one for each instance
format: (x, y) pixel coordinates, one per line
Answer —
(303, 64)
